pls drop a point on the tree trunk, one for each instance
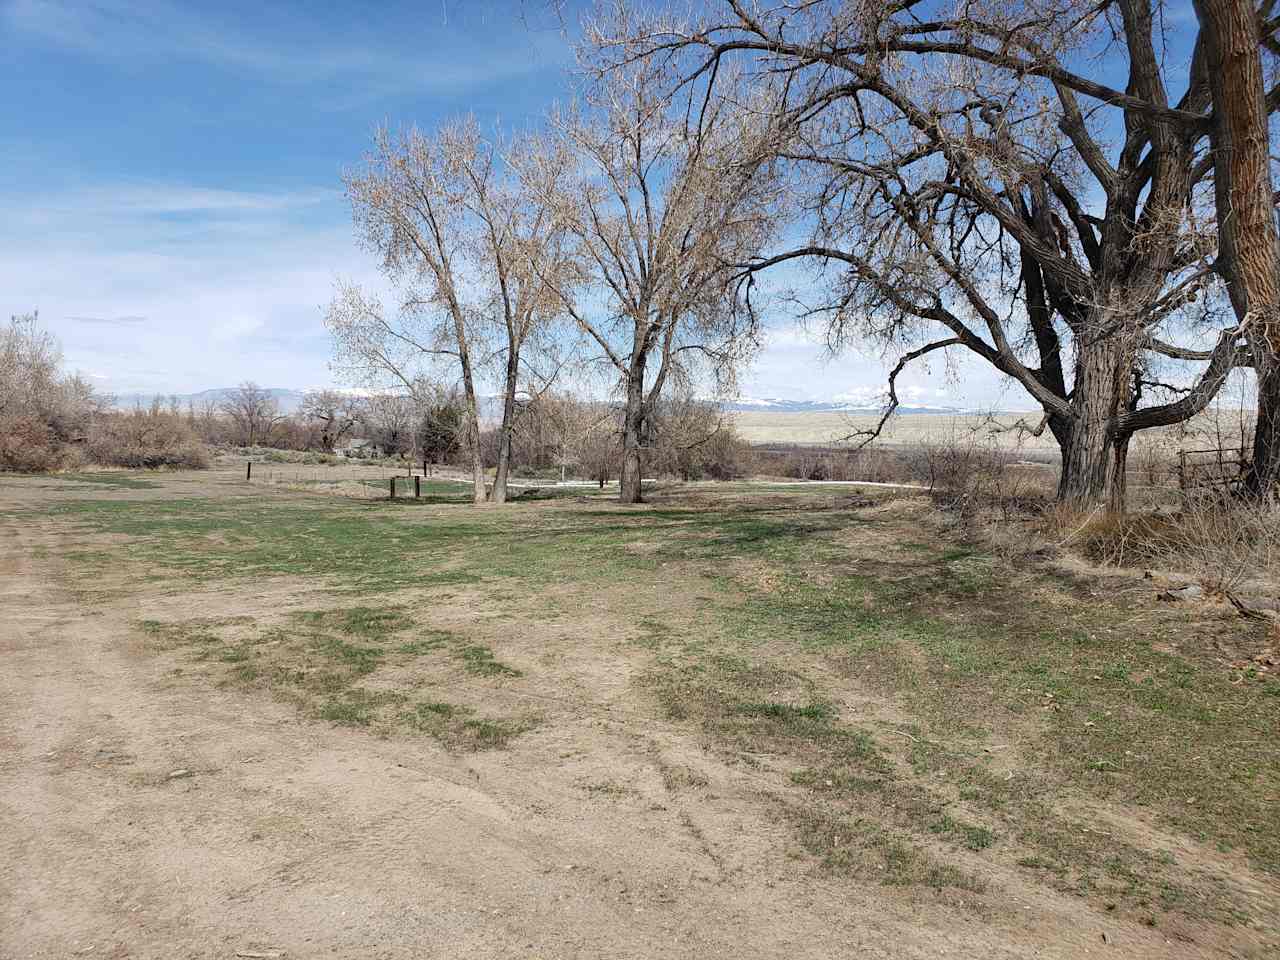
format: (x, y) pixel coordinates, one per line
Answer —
(505, 432)
(1089, 475)
(1262, 477)
(1248, 246)
(477, 461)
(1119, 473)
(473, 435)
(629, 481)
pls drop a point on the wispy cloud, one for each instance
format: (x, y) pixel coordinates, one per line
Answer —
(125, 321)
(141, 225)
(150, 31)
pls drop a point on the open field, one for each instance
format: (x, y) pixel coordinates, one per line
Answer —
(736, 721)
(760, 426)
(913, 429)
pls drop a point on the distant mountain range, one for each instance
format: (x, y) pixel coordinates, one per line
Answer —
(774, 405)
(291, 400)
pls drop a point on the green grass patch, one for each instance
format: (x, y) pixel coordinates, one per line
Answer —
(479, 661)
(322, 661)
(457, 728)
(126, 481)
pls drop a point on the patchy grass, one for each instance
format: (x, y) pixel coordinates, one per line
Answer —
(457, 728)
(1020, 705)
(324, 660)
(127, 481)
(479, 661)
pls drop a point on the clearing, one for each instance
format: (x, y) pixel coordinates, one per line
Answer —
(261, 722)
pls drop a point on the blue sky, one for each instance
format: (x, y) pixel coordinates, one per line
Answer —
(171, 179)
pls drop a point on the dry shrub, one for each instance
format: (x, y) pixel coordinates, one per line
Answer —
(1217, 539)
(1114, 539)
(804, 462)
(977, 477)
(29, 445)
(146, 438)
(1153, 461)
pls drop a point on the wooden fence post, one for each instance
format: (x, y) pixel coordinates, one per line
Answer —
(417, 487)
(393, 487)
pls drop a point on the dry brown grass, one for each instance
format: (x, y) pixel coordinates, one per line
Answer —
(1219, 541)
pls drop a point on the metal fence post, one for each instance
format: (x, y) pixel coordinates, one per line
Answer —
(248, 470)
(417, 487)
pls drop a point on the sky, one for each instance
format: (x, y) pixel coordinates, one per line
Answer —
(171, 181)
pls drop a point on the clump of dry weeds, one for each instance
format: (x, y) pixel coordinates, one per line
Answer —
(1217, 540)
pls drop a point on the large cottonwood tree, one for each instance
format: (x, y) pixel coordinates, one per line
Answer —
(970, 184)
(1233, 33)
(659, 210)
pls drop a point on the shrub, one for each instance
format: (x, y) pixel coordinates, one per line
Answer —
(146, 438)
(28, 445)
(1219, 540)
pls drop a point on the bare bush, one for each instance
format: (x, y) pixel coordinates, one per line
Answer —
(44, 412)
(804, 462)
(1216, 539)
(149, 439)
(693, 440)
(29, 445)
(976, 476)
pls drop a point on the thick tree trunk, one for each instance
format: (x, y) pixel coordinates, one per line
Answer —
(1248, 246)
(1087, 471)
(1089, 475)
(629, 481)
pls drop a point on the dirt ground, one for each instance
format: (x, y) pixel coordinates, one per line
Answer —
(145, 813)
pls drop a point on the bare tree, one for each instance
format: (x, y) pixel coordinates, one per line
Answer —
(390, 421)
(408, 204)
(253, 412)
(458, 238)
(516, 241)
(569, 432)
(659, 210)
(32, 382)
(337, 414)
(1232, 33)
(42, 409)
(957, 174)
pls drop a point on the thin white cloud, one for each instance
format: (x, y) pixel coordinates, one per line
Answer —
(75, 209)
(136, 32)
(110, 321)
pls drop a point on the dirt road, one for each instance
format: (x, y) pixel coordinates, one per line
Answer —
(147, 815)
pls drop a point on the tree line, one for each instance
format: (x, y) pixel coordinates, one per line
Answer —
(557, 436)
